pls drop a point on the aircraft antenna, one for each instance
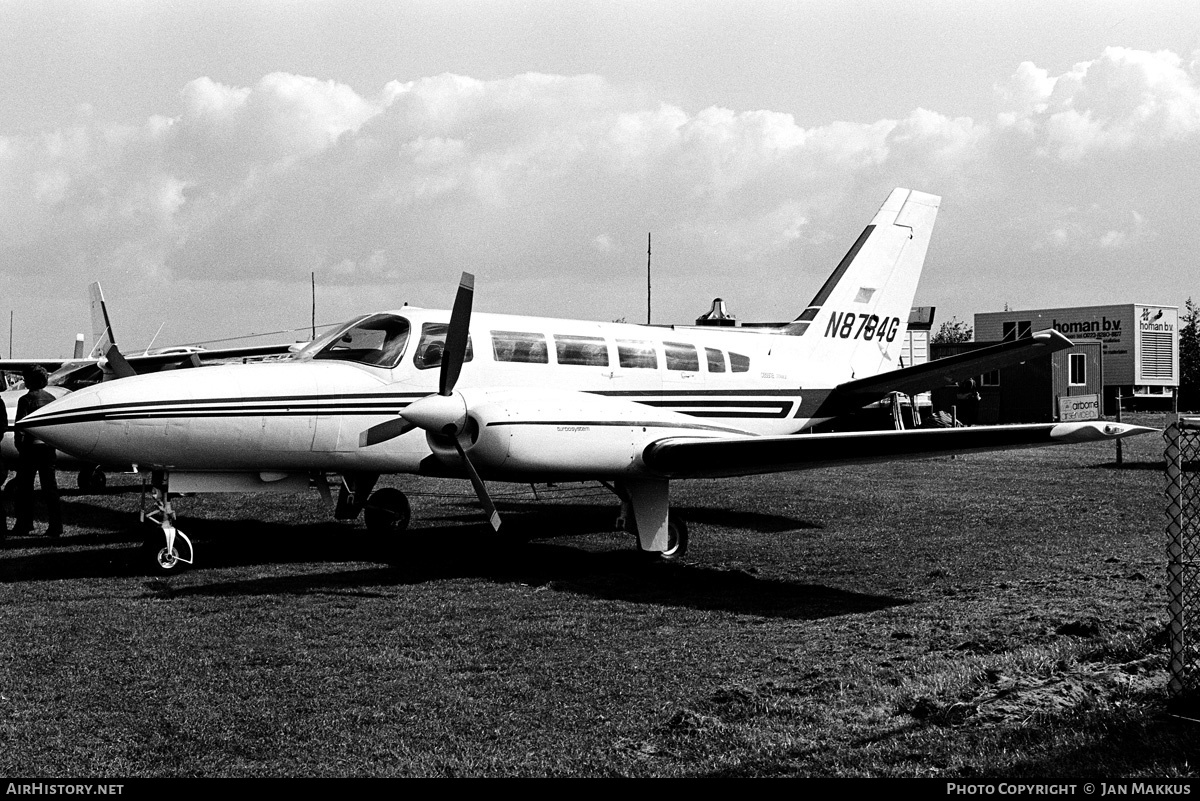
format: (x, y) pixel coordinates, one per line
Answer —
(648, 279)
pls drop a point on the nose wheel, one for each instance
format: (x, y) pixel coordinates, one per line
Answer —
(172, 552)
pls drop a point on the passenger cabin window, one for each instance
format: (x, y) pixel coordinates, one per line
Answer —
(716, 360)
(571, 349)
(519, 346)
(636, 354)
(681, 356)
(377, 340)
(739, 363)
(433, 344)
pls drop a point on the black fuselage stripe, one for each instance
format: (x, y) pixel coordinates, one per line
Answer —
(712, 406)
(617, 424)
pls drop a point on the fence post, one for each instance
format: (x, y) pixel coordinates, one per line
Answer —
(1177, 663)
(1120, 449)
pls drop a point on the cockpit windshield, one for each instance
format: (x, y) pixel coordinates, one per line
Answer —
(377, 340)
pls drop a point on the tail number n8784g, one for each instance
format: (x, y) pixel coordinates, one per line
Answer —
(848, 325)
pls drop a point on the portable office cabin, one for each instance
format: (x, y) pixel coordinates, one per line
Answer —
(1140, 344)
(1061, 386)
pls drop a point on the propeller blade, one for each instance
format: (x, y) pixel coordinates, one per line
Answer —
(384, 431)
(480, 489)
(116, 362)
(456, 336)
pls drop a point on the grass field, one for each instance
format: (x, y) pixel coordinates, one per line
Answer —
(994, 615)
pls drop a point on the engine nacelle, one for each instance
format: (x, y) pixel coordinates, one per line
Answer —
(522, 434)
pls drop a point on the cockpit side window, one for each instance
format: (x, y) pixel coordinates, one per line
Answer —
(433, 344)
(377, 340)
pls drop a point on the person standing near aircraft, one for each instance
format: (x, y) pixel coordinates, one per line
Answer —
(36, 457)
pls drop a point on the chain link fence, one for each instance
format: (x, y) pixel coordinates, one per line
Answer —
(1183, 554)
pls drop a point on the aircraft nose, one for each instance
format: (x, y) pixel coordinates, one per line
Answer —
(71, 423)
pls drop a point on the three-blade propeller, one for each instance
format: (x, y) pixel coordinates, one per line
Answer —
(444, 415)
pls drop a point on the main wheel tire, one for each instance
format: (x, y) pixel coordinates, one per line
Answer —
(677, 538)
(387, 512)
(92, 479)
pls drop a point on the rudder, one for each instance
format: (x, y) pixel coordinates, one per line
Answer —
(858, 318)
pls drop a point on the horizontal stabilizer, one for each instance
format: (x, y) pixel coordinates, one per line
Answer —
(693, 457)
(949, 371)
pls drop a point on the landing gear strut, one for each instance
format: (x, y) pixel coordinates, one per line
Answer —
(174, 552)
(645, 512)
(353, 494)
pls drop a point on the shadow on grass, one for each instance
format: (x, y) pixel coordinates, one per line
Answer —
(625, 575)
(589, 567)
(563, 547)
(544, 519)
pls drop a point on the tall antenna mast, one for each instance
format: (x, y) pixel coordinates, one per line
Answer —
(314, 305)
(647, 279)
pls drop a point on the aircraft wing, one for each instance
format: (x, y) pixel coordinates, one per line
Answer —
(949, 371)
(150, 362)
(695, 457)
(90, 370)
(17, 365)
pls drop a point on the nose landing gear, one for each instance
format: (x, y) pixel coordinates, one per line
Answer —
(173, 551)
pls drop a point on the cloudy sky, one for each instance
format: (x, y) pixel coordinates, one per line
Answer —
(204, 160)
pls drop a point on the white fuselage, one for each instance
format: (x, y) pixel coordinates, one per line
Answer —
(634, 383)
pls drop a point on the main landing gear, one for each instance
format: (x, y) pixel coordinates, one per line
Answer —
(92, 479)
(171, 552)
(385, 511)
(645, 511)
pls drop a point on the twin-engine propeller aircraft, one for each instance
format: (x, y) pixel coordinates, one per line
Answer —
(491, 397)
(103, 363)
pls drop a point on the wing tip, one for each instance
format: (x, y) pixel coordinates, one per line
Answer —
(1097, 431)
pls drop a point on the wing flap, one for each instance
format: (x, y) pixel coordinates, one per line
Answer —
(694, 457)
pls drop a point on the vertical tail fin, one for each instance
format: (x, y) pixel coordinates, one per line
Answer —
(102, 333)
(856, 322)
(105, 350)
(78, 352)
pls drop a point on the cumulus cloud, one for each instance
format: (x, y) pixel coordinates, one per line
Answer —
(566, 174)
(1125, 99)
